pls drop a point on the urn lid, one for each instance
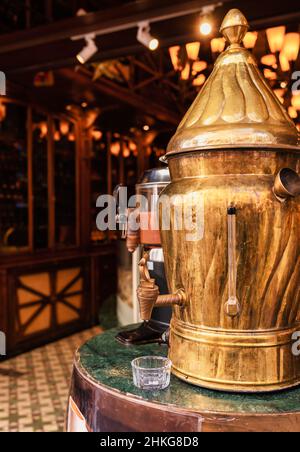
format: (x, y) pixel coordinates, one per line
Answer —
(155, 177)
(236, 108)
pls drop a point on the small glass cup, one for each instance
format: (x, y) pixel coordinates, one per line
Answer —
(151, 373)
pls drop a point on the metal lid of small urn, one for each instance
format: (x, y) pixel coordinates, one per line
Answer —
(155, 176)
(236, 108)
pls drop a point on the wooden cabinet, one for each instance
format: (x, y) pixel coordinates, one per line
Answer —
(53, 274)
(47, 301)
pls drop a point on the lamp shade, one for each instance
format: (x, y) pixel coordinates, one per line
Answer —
(2, 111)
(174, 55)
(43, 129)
(291, 46)
(270, 75)
(284, 63)
(275, 37)
(200, 80)
(192, 50)
(217, 45)
(293, 112)
(250, 39)
(269, 60)
(64, 127)
(199, 66)
(296, 102)
(185, 74)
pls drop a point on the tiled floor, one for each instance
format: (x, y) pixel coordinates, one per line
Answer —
(34, 387)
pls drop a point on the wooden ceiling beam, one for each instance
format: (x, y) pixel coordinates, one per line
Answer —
(125, 95)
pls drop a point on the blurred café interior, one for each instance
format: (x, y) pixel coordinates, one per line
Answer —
(94, 91)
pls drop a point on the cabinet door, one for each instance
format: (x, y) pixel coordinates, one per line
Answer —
(14, 179)
(47, 302)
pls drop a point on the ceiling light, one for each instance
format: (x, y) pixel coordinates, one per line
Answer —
(89, 50)
(57, 136)
(64, 127)
(284, 62)
(217, 45)
(291, 46)
(205, 22)
(44, 129)
(199, 66)
(270, 75)
(275, 37)
(144, 36)
(97, 134)
(185, 74)
(269, 60)
(174, 55)
(293, 112)
(250, 39)
(146, 128)
(296, 101)
(115, 149)
(205, 27)
(192, 50)
(200, 80)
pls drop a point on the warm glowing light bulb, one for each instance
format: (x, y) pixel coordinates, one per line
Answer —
(293, 112)
(205, 28)
(154, 43)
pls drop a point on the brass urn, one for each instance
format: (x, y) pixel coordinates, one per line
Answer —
(235, 290)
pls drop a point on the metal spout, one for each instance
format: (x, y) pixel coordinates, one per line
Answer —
(287, 184)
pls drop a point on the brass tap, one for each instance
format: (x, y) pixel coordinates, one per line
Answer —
(148, 293)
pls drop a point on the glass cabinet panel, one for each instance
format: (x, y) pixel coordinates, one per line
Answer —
(65, 183)
(14, 178)
(99, 181)
(40, 180)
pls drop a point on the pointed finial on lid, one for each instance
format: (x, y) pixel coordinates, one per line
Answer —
(234, 26)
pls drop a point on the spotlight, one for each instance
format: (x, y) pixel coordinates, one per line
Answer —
(205, 27)
(144, 36)
(89, 49)
(205, 23)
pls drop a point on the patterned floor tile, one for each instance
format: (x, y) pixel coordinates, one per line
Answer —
(34, 387)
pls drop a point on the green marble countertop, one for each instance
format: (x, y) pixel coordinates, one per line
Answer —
(109, 363)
